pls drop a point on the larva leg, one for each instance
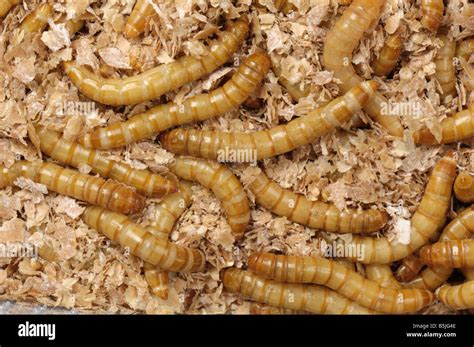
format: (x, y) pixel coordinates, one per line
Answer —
(388, 56)
(409, 268)
(196, 108)
(453, 129)
(310, 298)
(37, 20)
(6, 6)
(222, 182)
(382, 274)
(445, 69)
(95, 190)
(142, 11)
(278, 140)
(73, 154)
(432, 14)
(315, 214)
(425, 223)
(159, 80)
(458, 297)
(449, 253)
(464, 187)
(143, 244)
(370, 294)
(341, 41)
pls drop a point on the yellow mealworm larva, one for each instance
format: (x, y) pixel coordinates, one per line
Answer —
(432, 14)
(464, 187)
(303, 297)
(409, 268)
(449, 253)
(382, 274)
(458, 297)
(425, 222)
(340, 43)
(197, 108)
(70, 153)
(37, 20)
(315, 270)
(445, 69)
(6, 6)
(143, 244)
(142, 11)
(222, 182)
(268, 143)
(95, 190)
(159, 80)
(315, 214)
(388, 55)
(453, 129)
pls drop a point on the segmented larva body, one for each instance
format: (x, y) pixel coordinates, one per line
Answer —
(143, 244)
(37, 20)
(453, 129)
(458, 297)
(147, 183)
(388, 55)
(382, 274)
(278, 140)
(142, 11)
(298, 269)
(94, 190)
(464, 187)
(341, 41)
(449, 253)
(167, 212)
(425, 222)
(315, 214)
(445, 69)
(409, 268)
(310, 298)
(222, 182)
(432, 14)
(159, 80)
(6, 6)
(465, 49)
(262, 309)
(197, 108)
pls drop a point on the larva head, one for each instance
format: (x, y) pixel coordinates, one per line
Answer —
(464, 186)
(259, 61)
(231, 278)
(239, 28)
(447, 166)
(174, 141)
(426, 254)
(368, 89)
(256, 260)
(125, 200)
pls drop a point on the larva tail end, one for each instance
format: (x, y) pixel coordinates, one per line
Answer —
(424, 137)
(68, 65)
(425, 255)
(130, 32)
(447, 165)
(370, 86)
(463, 186)
(231, 278)
(168, 141)
(253, 260)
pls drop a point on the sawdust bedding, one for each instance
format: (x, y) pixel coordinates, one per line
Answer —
(350, 168)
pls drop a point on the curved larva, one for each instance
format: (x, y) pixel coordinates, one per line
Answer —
(453, 129)
(315, 270)
(268, 143)
(159, 80)
(6, 6)
(147, 183)
(458, 297)
(449, 253)
(197, 108)
(388, 55)
(136, 22)
(382, 274)
(425, 222)
(464, 187)
(302, 297)
(143, 244)
(222, 182)
(315, 214)
(409, 268)
(167, 212)
(94, 190)
(341, 41)
(37, 20)
(445, 69)
(432, 14)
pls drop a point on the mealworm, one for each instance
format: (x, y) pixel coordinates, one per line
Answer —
(315, 270)
(310, 298)
(445, 69)
(167, 212)
(465, 49)
(6, 6)
(388, 55)
(147, 183)
(453, 129)
(143, 244)
(464, 187)
(135, 26)
(458, 297)
(268, 143)
(94, 190)
(37, 20)
(409, 268)
(222, 182)
(449, 253)
(314, 214)
(432, 14)
(382, 274)
(425, 222)
(197, 108)
(339, 45)
(159, 80)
